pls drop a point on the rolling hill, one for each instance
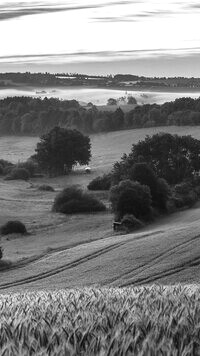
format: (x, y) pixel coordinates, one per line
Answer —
(82, 250)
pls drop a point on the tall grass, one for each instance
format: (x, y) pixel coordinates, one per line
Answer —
(130, 321)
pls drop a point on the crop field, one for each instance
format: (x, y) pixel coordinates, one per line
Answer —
(137, 321)
(73, 286)
(82, 250)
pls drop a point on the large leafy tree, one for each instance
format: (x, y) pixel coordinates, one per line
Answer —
(61, 149)
(160, 191)
(172, 157)
(131, 198)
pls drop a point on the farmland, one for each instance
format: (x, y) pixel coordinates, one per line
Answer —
(75, 287)
(141, 321)
(72, 286)
(82, 250)
(106, 147)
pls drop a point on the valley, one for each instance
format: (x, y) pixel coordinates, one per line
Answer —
(82, 250)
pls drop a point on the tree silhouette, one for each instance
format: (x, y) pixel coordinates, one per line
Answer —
(60, 149)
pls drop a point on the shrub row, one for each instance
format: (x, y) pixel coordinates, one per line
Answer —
(23, 170)
(73, 200)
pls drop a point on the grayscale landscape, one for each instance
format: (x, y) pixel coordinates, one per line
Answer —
(99, 178)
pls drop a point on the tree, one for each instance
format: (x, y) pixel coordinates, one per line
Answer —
(112, 101)
(101, 182)
(118, 119)
(61, 149)
(1, 252)
(141, 172)
(159, 188)
(131, 100)
(172, 157)
(131, 198)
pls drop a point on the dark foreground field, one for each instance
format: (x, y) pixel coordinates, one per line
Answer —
(100, 322)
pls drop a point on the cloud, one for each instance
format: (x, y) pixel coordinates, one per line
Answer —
(9, 11)
(193, 5)
(7, 15)
(134, 17)
(81, 57)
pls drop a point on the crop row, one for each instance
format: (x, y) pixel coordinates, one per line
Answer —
(144, 321)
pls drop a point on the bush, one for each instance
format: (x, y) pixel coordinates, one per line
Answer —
(1, 252)
(190, 199)
(163, 194)
(195, 181)
(73, 200)
(185, 193)
(12, 227)
(5, 163)
(30, 166)
(18, 173)
(131, 198)
(5, 167)
(182, 188)
(46, 188)
(1, 170)
(100, 183)
(177, 202)
(7, 170)
(131, 223)
(187, 200)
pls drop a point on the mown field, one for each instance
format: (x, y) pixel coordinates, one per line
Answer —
(138, 321)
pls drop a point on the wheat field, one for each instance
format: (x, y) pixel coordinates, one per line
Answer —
(153, 320)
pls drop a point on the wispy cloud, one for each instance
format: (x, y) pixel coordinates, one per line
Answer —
(100, 55)
(193, 6)
(18, 9)
(135, 16)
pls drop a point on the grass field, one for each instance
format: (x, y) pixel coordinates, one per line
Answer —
(100, 322)
(106, 147)
(82, 250)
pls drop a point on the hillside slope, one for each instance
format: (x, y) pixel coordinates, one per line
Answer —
(67, 251)
(166, 252)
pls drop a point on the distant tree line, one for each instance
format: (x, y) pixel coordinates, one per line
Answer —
(59, 79)
(36, 116)
(30, 78)
(48, 79)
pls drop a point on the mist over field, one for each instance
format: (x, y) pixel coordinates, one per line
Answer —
(98, 96)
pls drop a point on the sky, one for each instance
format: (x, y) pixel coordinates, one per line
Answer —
(152, 38)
